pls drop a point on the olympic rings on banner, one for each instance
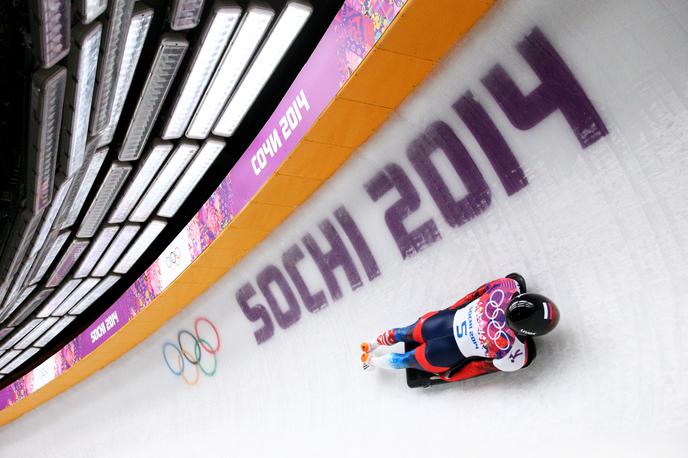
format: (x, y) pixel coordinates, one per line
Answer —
(173, 257)
(195, 357)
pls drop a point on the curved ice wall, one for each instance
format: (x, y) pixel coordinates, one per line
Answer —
(552, 142)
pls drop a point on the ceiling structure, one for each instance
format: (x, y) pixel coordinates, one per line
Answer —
(112, 141)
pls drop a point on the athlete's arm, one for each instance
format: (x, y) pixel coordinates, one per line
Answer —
(515, 359)
(468, 298)
(469, 370)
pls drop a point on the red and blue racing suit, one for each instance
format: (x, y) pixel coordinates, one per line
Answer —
(468, 339)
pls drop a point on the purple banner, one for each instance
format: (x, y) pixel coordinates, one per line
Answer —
(307, 97)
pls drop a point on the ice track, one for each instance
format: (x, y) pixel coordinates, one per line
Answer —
(597, 219)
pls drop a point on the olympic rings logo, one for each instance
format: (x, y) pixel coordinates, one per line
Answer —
(201, 346)
(495, 327)
(173, 257)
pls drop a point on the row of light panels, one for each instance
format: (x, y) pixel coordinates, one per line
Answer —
(288, 25)
(120, 243)
(136, 36)
(101, 203)
(50, 89)
(96, 250)
(235, 56)
(192, 176)
(67, 262)
(213, 40)
(250, 31)
(147, 170)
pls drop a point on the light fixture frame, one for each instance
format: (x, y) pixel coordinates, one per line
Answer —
(171, 51)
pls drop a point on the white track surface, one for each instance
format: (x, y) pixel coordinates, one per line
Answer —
(602, 231)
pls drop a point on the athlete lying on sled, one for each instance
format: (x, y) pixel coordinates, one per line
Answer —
(490, 329)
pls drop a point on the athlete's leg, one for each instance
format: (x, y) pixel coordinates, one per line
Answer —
(429, 326)
(437, 325)
(436, 355)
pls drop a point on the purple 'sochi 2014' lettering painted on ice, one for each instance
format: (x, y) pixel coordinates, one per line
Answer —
(559, 90)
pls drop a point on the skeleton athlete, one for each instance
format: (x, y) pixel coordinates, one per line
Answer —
(489, 329)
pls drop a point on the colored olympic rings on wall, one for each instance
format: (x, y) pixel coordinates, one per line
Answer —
(173, 257)
(190, 350)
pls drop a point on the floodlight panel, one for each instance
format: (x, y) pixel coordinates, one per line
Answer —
(25, 293)
(164, 181)
(69, 259)
(288, 26)
(50, 215)
(8, 309)
(19, 280)
(19, 360)
(83, 289)
(77, 178)
(142, 243)
(138, 29)
(124, 237)
(90, 9)
(54, 331)
(185, 14)
(4, 332)
(144, 175)
(192, 176)
(85, 184)
(33, 303)
(95, 293)
(28, 232)
(57, 298)
(7, 357)
(45, 225)
(82, 75)
(212, 43)
(55, 244)
(106, 195)
(95, 252)
(51, 36)
(111, 49)
(47, 99)
(19, 334)
(244, 43)
(170, 54)
(36, 332)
